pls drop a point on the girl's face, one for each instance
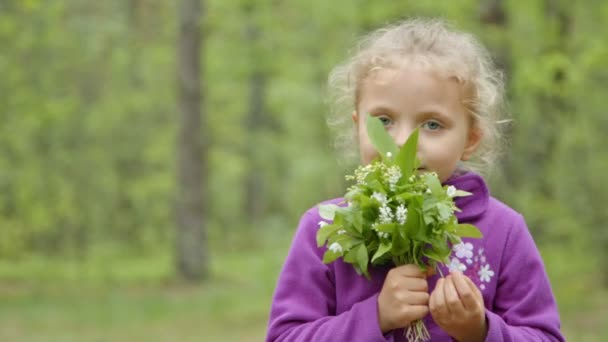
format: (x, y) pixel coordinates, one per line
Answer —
(410, 97)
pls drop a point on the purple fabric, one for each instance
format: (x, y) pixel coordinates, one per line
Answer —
(318, 302)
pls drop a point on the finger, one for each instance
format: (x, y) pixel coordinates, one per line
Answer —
(433, 301)
(451, 297)
(418, 298)
(474, 289)
(416, 284)
(439, 305)
(409, 270)
(416, 312)
(465, 292)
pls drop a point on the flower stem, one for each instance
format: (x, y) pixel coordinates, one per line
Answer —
(417, 332)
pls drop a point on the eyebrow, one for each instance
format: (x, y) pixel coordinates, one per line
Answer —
(435, 111)
(425, 113)
(383, 109)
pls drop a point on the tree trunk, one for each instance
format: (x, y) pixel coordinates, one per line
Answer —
(191, 253)
(256, 120)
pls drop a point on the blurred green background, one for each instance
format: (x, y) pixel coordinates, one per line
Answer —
(88, 164)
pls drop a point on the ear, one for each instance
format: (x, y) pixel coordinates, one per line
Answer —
(355, 117)
(473, 141)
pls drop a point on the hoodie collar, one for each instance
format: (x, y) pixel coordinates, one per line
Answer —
(474, 205)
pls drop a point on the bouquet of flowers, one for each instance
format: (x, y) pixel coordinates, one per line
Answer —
(394, 213)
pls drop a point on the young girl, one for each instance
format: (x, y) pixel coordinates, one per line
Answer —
(422, 74)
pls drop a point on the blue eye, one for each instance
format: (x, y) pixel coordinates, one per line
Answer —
(432, 125)
(385, 120)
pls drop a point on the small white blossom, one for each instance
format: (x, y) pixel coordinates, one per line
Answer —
(456, 265)
(382, 235)
(485, 273)
(322, 224)
(464, 250)
(380, 197)
(335, 247)
(401, 214)
(341, 231)
(386, 215)
(392, 175)
(428, 190)
(451, 191)
(362, 172)
(388, 154)
(482, 287)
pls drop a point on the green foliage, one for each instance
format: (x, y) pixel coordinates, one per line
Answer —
(394, 214)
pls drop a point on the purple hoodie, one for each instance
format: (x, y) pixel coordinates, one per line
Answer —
(318, 302)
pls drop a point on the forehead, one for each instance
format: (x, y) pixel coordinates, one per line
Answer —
(409, 88)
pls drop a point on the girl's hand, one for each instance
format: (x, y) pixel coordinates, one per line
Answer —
(457, 307)
(403, 299)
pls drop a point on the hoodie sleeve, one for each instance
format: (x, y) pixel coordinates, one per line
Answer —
(304, 304)
(524, 306)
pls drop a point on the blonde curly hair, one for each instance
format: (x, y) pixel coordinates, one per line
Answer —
(431, 43)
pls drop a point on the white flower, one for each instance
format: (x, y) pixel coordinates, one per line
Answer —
(380, 197)
(401, 214)
(456, 265)
(322, 224)
(451, 191)
(382, 235)
(341, 231)
(485, 273)
(392, 175)
(362, 172)
(386, 215)
(482, 287)
(428, 190)
(388, 154)
(464, 250)
(335, 247)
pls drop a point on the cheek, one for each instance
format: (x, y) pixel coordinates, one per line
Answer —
(439, 154)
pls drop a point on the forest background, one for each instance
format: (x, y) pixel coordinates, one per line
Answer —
(113, 227)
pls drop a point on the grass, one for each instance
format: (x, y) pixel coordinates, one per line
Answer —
(133, 299)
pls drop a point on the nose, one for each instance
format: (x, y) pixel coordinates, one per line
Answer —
(401, 135)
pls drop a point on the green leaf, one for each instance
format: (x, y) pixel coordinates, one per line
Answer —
(328, 211)
(445, 211)
(351, 256)
(406, 158)
(412, 223)
(379, 138)
(462, 193)
(384, 248)
(325, 232)
(362, 258)
(468, 230)
(386, 227)
(330, 256)
(434, 256)
(358, 221)
(400, 244)
(431, 180)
